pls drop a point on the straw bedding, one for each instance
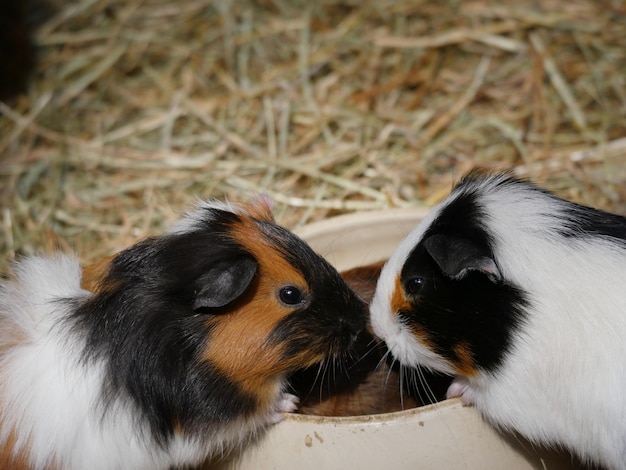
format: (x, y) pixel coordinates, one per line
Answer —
(136, 108)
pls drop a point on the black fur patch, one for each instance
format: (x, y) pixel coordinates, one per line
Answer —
(578, 221)
(471, 312)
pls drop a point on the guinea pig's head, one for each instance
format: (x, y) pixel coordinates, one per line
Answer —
(442, 301)
(227, 297)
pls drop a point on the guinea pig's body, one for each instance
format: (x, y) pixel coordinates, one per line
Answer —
(172, 351)
(520, 294)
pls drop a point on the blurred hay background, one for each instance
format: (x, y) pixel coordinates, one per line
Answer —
(139, 107)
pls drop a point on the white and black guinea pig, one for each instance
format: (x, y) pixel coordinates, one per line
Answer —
(522, 296)
(173, 350)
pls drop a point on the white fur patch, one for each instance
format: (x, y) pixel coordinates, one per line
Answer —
(197, 217)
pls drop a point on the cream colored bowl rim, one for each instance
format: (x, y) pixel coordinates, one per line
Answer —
(360, 220)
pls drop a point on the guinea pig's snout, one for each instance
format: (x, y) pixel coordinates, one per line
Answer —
(353, 323)
(348, 332)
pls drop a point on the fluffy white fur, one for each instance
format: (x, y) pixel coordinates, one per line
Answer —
(51, 401)
(564, 381)
(197, 218)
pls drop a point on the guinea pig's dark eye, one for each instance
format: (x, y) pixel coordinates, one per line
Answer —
(414, 285)
(290, 295)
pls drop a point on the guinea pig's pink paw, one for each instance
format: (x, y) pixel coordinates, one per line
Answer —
(460, 387)
(286, 404)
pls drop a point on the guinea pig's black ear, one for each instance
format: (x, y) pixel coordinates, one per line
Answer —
(457, 255)
(224, 282)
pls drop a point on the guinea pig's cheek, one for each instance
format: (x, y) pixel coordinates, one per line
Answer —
(302, 359)
(399, 300)
(395, 319)
(383, 312)
(235, 348)
(387, 324)
(298, 342)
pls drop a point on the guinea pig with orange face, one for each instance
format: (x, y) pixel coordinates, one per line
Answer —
(176, 349)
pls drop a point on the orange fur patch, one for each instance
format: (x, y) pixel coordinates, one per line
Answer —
(260, 208)
(94, 275)
(238, 344)
(11, 460)
(464, 364)
(399, 302)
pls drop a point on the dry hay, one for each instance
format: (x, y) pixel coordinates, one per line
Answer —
(139, 107)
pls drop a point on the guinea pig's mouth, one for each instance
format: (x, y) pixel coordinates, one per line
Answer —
(304, 342)
(412, 352)
(340, 367)
(325, 349)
